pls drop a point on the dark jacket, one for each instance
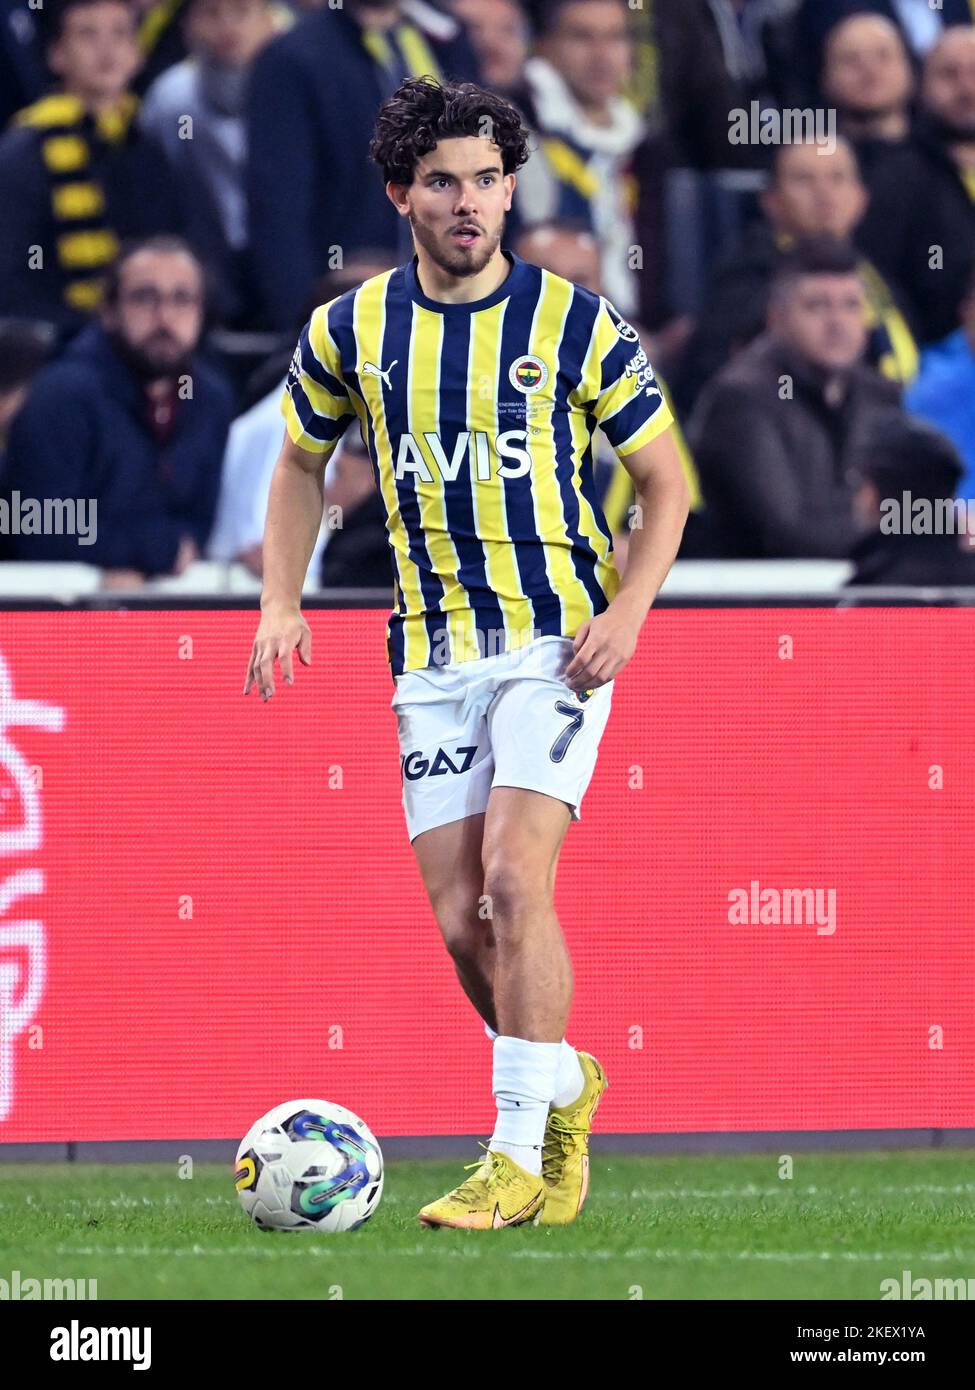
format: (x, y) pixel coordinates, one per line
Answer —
(313, 97)
(23, 76)
(931, 561)
(776, 474)
(358, 555)
(142, 198)
(918, 202)
(737, 309)
(698, 89)
(83, 434)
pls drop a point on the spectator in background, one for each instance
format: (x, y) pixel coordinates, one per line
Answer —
(903, 545)
(587, 133)
(868, 77)
(776, 433)
(314, 92)
(77, 174)
(357, 553)
(566, 249)
(24, 348)
(22, 74)
(920, 22)
(920, 227)
(716, 57)
(255, 443)
(944, 393)
(162, 38)
(500, 35)
(208, 89)
(643, 89)
(130, 418)
(812, 193)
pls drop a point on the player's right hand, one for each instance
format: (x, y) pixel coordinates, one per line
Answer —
(280, 631)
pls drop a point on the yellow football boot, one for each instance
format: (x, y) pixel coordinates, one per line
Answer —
(565, 1154)
(500, 1193)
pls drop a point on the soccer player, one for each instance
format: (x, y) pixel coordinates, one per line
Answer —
(477, 380)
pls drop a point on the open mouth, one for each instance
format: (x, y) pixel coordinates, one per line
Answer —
(466, 235)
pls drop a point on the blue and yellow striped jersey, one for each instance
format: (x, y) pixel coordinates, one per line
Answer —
(479, 420)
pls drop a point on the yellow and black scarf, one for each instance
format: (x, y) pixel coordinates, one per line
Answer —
(86, 244)
(401, 51)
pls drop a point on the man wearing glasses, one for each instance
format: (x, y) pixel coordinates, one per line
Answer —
(128, 421)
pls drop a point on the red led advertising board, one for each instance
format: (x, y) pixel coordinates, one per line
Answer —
(209, 904)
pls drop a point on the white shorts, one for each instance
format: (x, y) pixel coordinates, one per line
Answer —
(499, 721)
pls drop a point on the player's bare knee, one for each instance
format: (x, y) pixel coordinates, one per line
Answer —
(514, 885)
(463, 921)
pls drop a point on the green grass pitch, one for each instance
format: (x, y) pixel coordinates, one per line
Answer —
(658, 1228)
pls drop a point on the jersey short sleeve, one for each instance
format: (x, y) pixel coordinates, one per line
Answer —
(619, 388)
(316, 406)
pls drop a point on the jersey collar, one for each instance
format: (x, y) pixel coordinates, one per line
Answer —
(506, 288)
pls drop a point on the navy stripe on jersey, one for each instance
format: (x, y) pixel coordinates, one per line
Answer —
(396, 333)
(458, 495)
(584, 556)
(519, 499)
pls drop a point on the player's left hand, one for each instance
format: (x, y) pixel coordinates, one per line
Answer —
(602, 646)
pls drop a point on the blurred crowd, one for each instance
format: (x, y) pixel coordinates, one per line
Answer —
(779, 193)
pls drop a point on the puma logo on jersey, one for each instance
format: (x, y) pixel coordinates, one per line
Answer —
(370, 369)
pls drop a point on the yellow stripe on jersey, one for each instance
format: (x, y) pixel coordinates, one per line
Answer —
(500, 561)
(426, 347)
(661, 421)
(369, 321)
(318, 402)
(551, 521)
(613, 398)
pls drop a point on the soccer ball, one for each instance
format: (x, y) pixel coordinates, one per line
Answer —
(309, 1165)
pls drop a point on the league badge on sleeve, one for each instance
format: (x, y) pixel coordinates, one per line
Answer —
(624, 329)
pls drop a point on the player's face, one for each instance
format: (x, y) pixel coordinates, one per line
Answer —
(816, 192)
(457, 203)
(825, 319)
(159, 314)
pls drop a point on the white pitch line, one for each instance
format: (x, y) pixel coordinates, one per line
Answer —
(326, 1250)
(650, 1194)
(784, 1188)
(129, 1203)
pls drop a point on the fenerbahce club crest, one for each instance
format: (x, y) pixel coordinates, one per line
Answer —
(528, 375)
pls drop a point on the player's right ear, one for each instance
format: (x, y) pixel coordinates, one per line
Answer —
(398, 194)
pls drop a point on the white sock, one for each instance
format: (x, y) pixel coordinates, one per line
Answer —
(523, 1084)
(569, 1080)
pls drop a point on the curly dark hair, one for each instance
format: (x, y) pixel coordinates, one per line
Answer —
(423, 111)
